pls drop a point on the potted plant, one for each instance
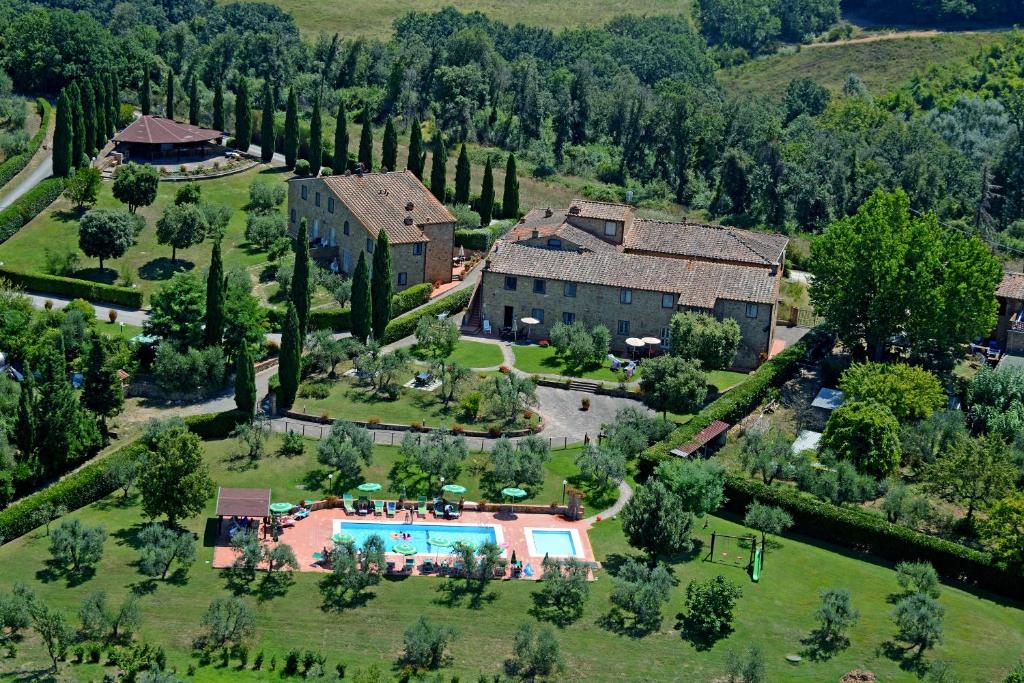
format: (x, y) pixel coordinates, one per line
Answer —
(112, 315)
(585, 403)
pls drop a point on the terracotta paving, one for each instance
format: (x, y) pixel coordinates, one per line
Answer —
(313, 534)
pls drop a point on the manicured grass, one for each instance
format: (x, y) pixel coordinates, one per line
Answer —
(149, 263)
(471, 354)
(544, 360)
(115, 329)
(982, 634)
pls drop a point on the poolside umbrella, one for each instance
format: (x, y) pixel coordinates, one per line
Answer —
(404, 548)
(439, 542)
(369, 487)
(281, 508)
(454, 488)
(513, 492)
(343, 537)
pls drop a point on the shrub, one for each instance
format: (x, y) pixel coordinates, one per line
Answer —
(465, 217)
(405, 325)
(910, 393)
(292, 445)
(15, 164)
(709, 606)
(302, 167)
(470, 404)
(82, 289)
(28, 206)
(315, 390)
(865, 433)
(112, 315)
(188, 371)
(426, 643)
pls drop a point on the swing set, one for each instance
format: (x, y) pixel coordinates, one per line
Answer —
(737, 551)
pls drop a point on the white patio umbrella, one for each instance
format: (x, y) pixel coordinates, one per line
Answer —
(528, 321)
(634, 343)
(653, 342)
(462, 253)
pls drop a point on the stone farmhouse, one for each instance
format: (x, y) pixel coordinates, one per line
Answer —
(345, 213)
(597, 263)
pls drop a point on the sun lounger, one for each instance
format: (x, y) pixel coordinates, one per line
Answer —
(438, 507)
(302, 513)
(347, 502)
(363, 507)
(378, 507)
(391, 508)
(422, 506)
(487, 326)
(410, 564)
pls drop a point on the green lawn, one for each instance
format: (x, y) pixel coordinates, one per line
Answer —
(471, 354)
(983, 637)
(149, 263)
(117, 329)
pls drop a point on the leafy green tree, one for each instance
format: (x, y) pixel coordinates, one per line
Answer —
(188, 193)
(564, 590)
(245, 383)
(106, 233)
(866, 434)
(102, 392)
(453, 376)
(169, 92)
(918, 619)
(181, 227)
(301, 291)
(216, 286)
(145, 93)
(426, 644)
(26, 424)
(436, 339)
(672, 383)
(381, 286)
(439, 167)
(805, 96)
(340, 160)
(15, 611)
(581, 348)
(267, 137)
(462, 176)
(124, 472)
(53, 630)
(835, 616)
(281, 556)
(511, 396)
(193, 100)
(177, 311)
(265, 197)
(880, 274)
(901, 506)
(440, 454)
(510, 197)
(701, 337)
(654, 521)
(228, 621)
(346, 449)
(1003, 530)
(700, 484)
(602, 464)
(316, 139)
(249, 552)
(290, 364)
(911, 393)
(768, 519)
(918, 577)
(485, 206)
(417, 155)
(62, 137)
(352, 572)
(641, 591)
(972, 473)
(175, 480)
(75, 544)
(535, 652)
(136, 185)
(243, 116)
(521, 463)
(389, 151)
(362, 303)
(291, 130)
(66, 432)
(995, 401)
(162, 547)
(709, 606)
(219, 120)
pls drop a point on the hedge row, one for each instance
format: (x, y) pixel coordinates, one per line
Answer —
(18, 162)
(868, 532)
(481, 239)
(404, 325)
(74, 288)
(90, 483)
(740, 400)
(340, 319)
(28, 206)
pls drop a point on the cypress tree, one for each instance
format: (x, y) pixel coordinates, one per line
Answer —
(291, 130)
(510, 200)
(362, 305)
(340, 160)
(243, 116)
(267, 138)
(300, 279)
(316, 139)
(366, 142)
(485, 207)
(245, 382)
(389, 155)
(63, 134)
(416, 153)
(381, 287)
(216, 293)
(218, 107)
(77, 126)
(102, 392)
(439, 168)
(144, 94)
(25, 433)
(289, 365)
(99, 91)
(169, 105)
(114, 95)
(193, 100)
(462, 173)
(88, 117)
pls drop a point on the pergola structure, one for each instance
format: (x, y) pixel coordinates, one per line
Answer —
(152, 137)
(241, 503)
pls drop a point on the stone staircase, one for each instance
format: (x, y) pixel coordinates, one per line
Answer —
(584, 386)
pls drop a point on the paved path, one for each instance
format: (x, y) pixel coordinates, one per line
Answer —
(39, 168)
(130, 316)
(625, 493)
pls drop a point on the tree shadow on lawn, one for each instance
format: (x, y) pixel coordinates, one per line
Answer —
(107, 276)
(164, 268)
(313, 481)
(909, 658)
(454, 591)
(700, 640)
(405, 476)
(818, 648)
(40, 675)
(117, 502)
(54, 571)
(616, 621)
(67, 215)
(274, 585)
(129, 535)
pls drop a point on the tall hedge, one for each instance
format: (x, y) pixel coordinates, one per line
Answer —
(339, 319)
(28, 206)
(404, 325)
(18, 162)
(75, 289)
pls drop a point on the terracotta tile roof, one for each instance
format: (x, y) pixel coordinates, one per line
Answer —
(569, 233)
(156, 130)
(698, 283)
(1012, 286)
(536, 218)
(383, 201)
(243, 502)
(706, 241)
(704, 437)
(606, 211)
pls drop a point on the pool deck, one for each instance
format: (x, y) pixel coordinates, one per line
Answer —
(313, 535)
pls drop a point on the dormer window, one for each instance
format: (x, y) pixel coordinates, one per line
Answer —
(554, 243)
(611, 228)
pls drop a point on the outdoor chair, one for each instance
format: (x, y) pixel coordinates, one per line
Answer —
(346, 500)
(390, 568)
(438, 507)
(487, 326)
(302, 513)
(422, 507)
(378, 507)
(391, 508)
(410, 564)
(363, 506)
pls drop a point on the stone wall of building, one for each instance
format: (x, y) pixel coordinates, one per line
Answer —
(756, 333)
(438, 261)
(595, 227)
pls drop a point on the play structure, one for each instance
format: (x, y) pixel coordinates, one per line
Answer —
(737, 551)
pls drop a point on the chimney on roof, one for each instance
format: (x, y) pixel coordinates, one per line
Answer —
(536, 233)
(548, 212)
(574, 210)
(383, 169)
(408, 206)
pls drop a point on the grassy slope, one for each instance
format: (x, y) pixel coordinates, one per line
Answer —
(880, 64)
(983, 636)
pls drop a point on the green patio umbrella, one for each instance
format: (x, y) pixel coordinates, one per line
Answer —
(454, 488)
(439, 542)
(513, 492)
(281, 508)
(343, 537)
(369, 487)
(404, 549)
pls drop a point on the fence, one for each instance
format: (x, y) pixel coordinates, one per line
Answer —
(796, 317)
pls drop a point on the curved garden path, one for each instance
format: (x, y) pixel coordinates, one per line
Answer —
(625, 493)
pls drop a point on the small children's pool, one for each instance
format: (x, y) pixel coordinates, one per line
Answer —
(553, 542)
(420, 535)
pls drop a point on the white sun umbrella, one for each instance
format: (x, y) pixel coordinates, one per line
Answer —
(529, 322)
(462, 253)
(634, 343)
(653, 342)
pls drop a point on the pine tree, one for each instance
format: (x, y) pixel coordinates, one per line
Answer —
(267, 138)
(77, 126)
(485, 207)
(362, 305)
(243, 116)
(510, 200)
(193, 100)
(291, 130)
(381, 286)
(114, 95)
(366, 142)
(389, 154)
(218, 107)
(439, 168)
(102, 392)
(63, 135)
(88, 117)
(216, 294)
(289, 365)
(340, 160)
(245, 382)
(144, 94)
(169, 102)
(300, 279)
(416, 153)
(316, 140)
(25, 432)
(462, 173)
(99, 91)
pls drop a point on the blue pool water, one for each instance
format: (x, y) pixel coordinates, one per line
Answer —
(419, 534)
(556, 543)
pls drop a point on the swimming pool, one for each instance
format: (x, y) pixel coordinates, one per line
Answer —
(553, 542)
(420, 534)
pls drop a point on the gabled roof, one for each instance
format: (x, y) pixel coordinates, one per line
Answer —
(1012, 286)
(706, 241)
(396, 202)
(569, 233)
(156, 130)
(607, 211)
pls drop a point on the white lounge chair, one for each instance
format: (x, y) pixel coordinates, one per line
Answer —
(487, 326)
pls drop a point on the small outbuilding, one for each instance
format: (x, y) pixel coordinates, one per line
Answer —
(706, 441)
(155, 138)
(241, 504)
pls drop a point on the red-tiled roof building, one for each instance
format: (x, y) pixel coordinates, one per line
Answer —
(152, 137)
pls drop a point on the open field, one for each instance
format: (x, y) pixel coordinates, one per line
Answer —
(982, 634)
